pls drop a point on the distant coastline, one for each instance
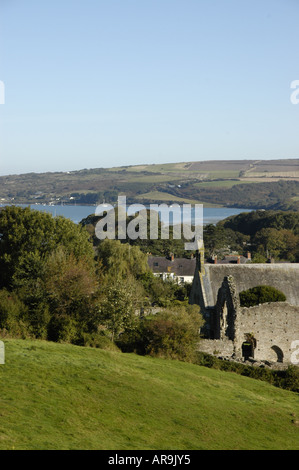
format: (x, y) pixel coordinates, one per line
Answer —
(76, 213)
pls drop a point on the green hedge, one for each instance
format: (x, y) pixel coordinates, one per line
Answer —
(287, 379)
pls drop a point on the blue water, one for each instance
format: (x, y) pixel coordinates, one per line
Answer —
(211, 215)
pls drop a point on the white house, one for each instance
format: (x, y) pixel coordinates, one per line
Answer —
(179, 270)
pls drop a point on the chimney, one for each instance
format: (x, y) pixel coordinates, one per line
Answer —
(171, 257)
(238, 260)
(215, 259)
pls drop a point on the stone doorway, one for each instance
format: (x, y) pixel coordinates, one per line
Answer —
(248, 346)
(247, 350)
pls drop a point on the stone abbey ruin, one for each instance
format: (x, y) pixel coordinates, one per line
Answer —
(265, 332)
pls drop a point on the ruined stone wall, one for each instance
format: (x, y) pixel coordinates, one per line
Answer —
(217, 347)
(284, 277)
(274, 326)
(226, 310)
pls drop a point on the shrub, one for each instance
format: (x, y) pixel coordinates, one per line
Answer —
(259, 295)
(172, 333)
(12, 313)
(287, 379)
(291, 381)
(62, 329)
(96, 340)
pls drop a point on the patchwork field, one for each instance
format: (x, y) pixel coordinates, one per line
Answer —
(168, 182)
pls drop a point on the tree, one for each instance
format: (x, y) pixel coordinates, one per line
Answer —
(159, 246)
(270, 242)
(121, 260)
(117, 309)
(281, 244)
(218, 239)
(28, 237)
(291, 246)
(214, 239)
(48, 264)
(259, 295)
(69, 282)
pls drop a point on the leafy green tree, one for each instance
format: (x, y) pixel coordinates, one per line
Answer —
(48, 263)
(280, 244)
(272, 233)
(117, 309)
(28, 237)
(164, 293)
(270, 242)
(159, 246)
(290, 251)
(218, 239)
(68, 281)
(120, 260)
(70, 288)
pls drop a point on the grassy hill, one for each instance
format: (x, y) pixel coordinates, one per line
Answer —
(221, 183)
(57, 396)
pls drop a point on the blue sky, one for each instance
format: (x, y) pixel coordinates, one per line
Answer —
(101, 83)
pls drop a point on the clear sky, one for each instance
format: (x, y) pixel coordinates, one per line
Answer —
(101, 83)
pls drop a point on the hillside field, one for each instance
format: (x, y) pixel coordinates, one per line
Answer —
(59, 396)
(266, 184)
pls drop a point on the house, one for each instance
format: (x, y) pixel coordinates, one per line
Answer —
(232, 259)
(179, 270)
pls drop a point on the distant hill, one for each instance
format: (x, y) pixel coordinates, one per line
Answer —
(59, 396)
(235, 183)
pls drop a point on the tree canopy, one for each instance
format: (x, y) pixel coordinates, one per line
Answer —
(27, 239)
(55, 285)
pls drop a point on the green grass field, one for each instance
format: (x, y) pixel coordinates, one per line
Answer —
(155, 196)
(57, 396)
(220, 184)
(163, 196)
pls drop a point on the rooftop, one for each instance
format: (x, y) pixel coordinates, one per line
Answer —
(177, 266)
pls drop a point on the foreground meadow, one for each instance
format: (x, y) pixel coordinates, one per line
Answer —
(59, 396)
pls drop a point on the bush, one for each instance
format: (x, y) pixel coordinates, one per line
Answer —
(287, 379)
(259, 295)
(172, 333)
(12, 315)
(133, 341)
(207, 360)
(96, 340)
(62, 329)
(291, 381)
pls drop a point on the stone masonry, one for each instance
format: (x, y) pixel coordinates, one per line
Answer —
(266, 332)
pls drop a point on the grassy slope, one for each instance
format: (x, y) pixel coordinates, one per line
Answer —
(144, 181)
(65, 397)
(162, 196)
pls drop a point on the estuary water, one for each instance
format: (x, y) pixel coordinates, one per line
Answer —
(211, 215)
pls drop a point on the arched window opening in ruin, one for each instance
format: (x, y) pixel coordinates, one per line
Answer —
(223, 317)
(278, 353)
